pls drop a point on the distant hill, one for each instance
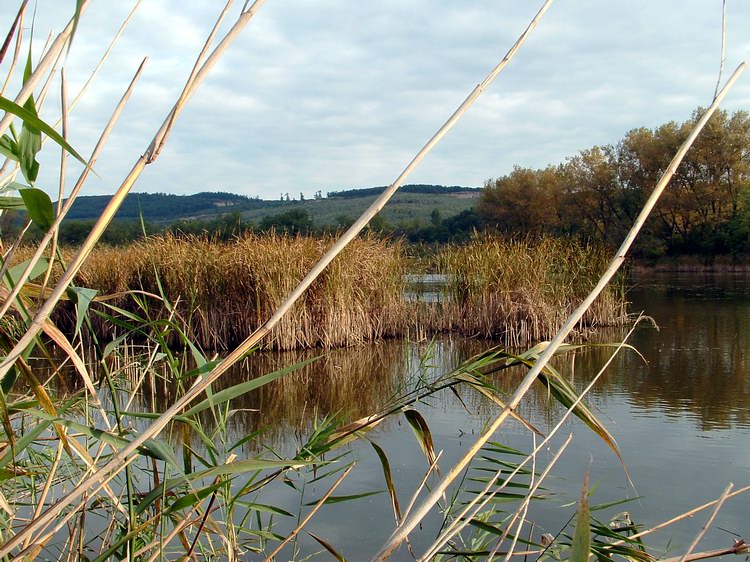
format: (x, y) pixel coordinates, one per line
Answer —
(411, 202)
(410, 188)
(163, 206)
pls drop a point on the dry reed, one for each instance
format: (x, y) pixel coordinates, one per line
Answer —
(224, 290)
(517, 291)
(521, 291)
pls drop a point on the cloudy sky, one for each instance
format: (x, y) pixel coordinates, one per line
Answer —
(338, 94)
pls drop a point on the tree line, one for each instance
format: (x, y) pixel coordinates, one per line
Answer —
(597, 193)
(594, 195)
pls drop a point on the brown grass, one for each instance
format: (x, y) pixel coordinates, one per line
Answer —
(223, 291)
(517, 291)
(522, 291)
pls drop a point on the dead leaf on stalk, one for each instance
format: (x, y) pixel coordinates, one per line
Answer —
(352, 430)
(328, 547)
(423, 434)
(388, 480)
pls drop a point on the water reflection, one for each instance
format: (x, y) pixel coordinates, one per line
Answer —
(698, 360)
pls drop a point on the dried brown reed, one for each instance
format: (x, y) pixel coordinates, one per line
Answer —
(224, 290)
(522, 290)
(517, 291)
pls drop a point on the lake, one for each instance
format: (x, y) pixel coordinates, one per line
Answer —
(680, 414)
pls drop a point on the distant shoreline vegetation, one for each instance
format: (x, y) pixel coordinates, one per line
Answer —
(704, 216)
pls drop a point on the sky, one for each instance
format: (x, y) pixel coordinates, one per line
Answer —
(337, 94)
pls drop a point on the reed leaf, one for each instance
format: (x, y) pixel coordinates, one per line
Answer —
(14, 273)
(243, 388)
(325, 544)
(264, 508)
(32, 120)
(235, 468)
(191, 499)
(422, 433)
(386, 466)
(345, 498)
(7, 425)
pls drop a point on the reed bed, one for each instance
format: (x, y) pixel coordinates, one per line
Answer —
(222, 291)
(516, 291)
(522, 290)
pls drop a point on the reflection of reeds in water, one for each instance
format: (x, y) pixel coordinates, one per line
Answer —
(354, 383)
(523, 290)
(347, 383)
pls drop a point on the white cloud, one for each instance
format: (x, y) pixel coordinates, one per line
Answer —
(336, 94)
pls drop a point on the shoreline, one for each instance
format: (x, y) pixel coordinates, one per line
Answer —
(691, 264)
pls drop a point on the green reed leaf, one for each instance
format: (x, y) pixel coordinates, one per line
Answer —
(12, 204)
(245, 387)
(193, 498)
(39, 206)
(29, 118)
(82, 297)
(14, 273)
(347, 498)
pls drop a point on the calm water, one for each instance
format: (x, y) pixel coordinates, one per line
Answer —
(681, 419)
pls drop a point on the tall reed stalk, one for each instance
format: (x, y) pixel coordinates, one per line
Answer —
(521, 291)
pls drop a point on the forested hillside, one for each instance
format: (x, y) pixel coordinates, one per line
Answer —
(163, 206)
(594, 194)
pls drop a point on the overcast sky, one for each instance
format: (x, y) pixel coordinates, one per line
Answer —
(332, 94)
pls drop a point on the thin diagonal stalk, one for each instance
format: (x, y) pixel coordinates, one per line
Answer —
(407, 526)
(191, 78)
(42, 245)
(61, 180)
(523, 510)
(47, 484)
(17, 50)
(12, 32)
(739, 547)
(723, 45)
(682, 516)
(105, 56)
(709, 522)
(310, 515)
(422, 484)
(549, 436)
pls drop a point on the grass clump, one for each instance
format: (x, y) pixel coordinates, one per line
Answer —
(224, 290)
(522, 290)
(518, 291)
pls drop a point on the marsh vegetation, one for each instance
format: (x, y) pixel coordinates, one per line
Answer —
(119, 438)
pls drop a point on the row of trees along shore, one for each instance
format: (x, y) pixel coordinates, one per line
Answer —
(597, 193)
(594, 195)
